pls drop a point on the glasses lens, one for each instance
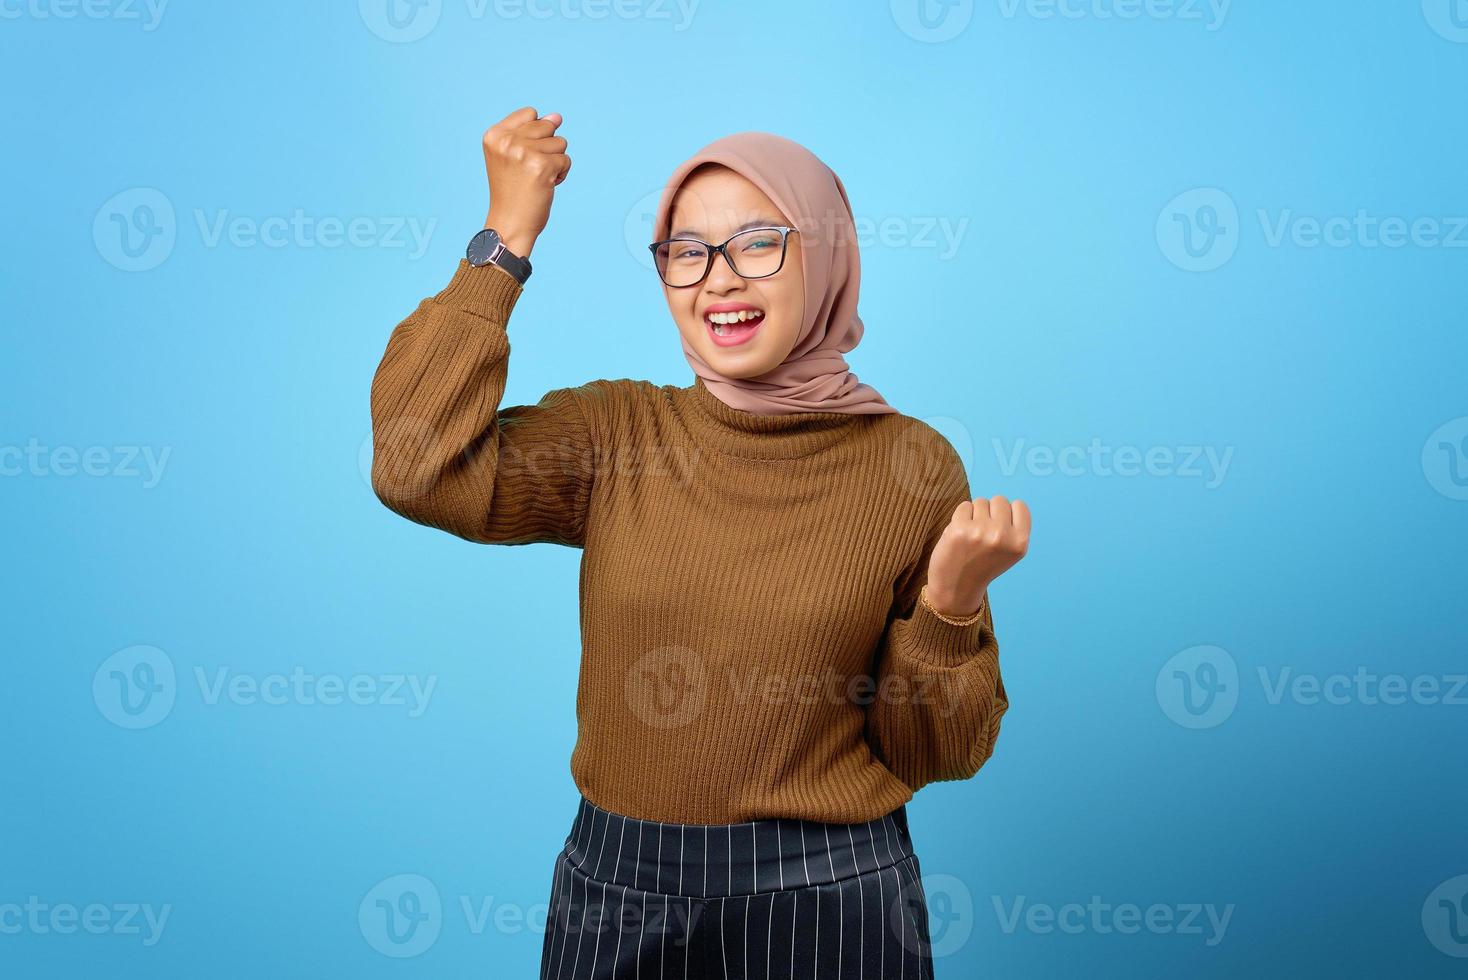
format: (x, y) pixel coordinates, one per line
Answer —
(681, 262)
(757, 253)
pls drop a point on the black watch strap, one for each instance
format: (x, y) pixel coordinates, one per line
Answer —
(486, 248)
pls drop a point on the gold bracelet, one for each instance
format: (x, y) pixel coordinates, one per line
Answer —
(965, 621)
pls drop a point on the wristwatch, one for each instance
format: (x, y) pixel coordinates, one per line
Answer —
(486, 247)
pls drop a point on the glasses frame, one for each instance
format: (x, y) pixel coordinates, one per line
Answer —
(714, 250)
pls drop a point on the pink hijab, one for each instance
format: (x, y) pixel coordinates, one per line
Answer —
(814, 376)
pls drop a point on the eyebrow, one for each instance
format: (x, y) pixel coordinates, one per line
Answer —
(756, 223)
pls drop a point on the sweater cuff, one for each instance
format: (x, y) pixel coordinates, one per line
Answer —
(935, 641)
(484, 290)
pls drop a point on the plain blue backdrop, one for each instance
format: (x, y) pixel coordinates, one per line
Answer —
(1186, 276)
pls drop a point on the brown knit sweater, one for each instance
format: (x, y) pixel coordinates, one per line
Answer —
(752, 641)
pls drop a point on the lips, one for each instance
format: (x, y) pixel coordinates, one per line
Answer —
(733, 333)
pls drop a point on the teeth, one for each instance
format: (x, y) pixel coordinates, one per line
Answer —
(737, 317)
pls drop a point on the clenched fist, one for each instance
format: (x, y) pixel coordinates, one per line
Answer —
(525, 162)
(984, 538)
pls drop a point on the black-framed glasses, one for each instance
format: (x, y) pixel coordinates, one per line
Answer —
(753, 254)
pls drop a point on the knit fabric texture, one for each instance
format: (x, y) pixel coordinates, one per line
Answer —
(752, 644)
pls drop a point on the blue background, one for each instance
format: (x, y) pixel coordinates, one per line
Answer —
(1070, 311)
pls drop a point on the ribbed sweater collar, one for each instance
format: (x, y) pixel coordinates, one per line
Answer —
(750, 435)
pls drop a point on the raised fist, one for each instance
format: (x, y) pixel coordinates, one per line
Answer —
(984, 538)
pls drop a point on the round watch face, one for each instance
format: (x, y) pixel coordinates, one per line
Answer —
(482, 249)
(481, 246)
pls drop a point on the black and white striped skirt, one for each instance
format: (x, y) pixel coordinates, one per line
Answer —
(760, 900)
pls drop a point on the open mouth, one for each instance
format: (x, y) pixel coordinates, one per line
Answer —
(729, 329)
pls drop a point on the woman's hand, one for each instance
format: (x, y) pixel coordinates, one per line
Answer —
(525, 162)
(984, 539)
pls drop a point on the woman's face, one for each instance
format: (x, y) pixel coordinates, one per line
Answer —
(713, 204)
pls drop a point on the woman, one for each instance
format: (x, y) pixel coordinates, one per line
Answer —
(784, 617)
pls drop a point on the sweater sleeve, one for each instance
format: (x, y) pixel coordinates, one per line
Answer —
(446, 455)
(939, 696)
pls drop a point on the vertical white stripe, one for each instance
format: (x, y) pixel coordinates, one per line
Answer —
(663, 932)
(882, 907)
(803, 858)
(605, 832)
(816, 962)
(570, 885)
(780, 847)
(746, 937)
(637, 868)
(840, 898)
(681, 829)
(794, 907)
(596, 950)
(902, 904)
(770, 937)
(581, 933)
(754, 851)
(617, 956)
(861, 893)
(617, 864)
(723, 950)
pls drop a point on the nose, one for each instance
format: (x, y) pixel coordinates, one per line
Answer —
(722, 276)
